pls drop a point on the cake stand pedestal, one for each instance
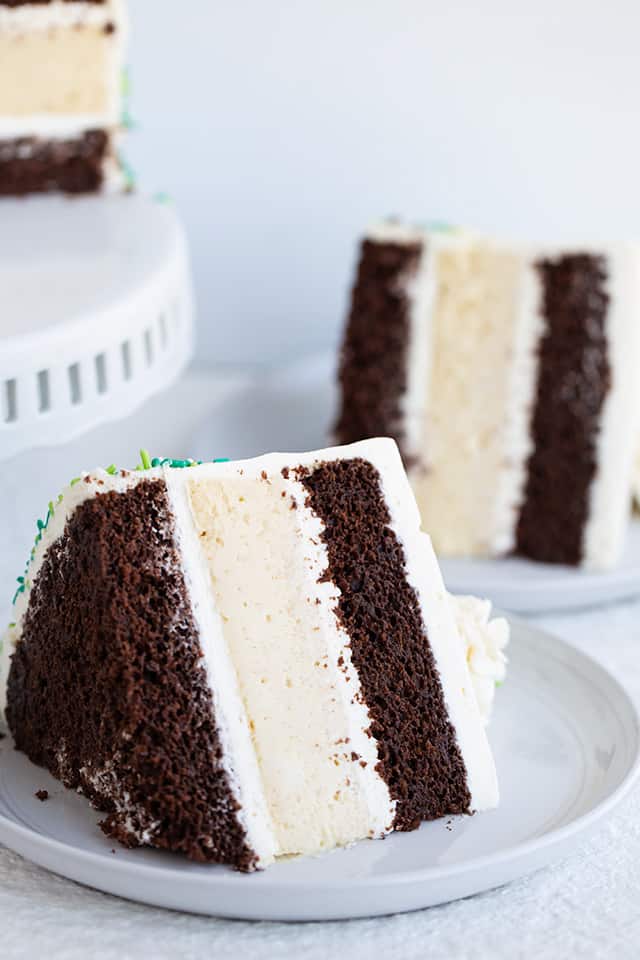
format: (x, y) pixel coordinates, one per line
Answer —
(95, 314)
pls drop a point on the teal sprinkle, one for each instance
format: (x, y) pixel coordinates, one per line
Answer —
(129, 175)
(221, 460)
(126, 120)
(440, 226)
(21, 580)
(41, 525)
(156, 462)
(162, 197)
(146, 460)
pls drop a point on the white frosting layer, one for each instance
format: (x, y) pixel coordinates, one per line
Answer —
(422, 572)
(484, 640)
(59, 14)
(620, 418)
(523, 381)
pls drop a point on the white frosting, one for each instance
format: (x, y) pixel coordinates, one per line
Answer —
(484, 641)
(58, 13)
(54, 126)
(422, 573)
(62, 15)
(523, 382)
(620, 418)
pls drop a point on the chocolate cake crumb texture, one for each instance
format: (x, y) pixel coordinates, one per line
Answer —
(34, 165)
(573, 381)
(107, 688)
(418, 754)
(42, 795)
(373, 364)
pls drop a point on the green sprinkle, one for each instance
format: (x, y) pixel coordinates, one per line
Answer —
(112, 469)
(156, 462)
(75, 480)
(11, 626)
(60, 498)
(51, 508)
(146, 460)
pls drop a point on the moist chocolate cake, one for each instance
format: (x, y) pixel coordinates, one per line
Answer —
(241, 661)
(61, 109)
(508, 377)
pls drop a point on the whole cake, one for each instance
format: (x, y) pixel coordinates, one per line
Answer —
(61, 83)
(509, 379)
(242, 660)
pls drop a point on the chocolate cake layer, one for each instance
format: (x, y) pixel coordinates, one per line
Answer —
(33, 165)
(573, 381)
(107, 688)
(419, 757)
(373, 365)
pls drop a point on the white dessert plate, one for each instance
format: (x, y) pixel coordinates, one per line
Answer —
(566, 740)
(293, 409)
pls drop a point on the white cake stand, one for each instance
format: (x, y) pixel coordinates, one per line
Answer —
(95, 313)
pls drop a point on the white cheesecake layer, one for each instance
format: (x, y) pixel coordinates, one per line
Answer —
(471, 345)
(68, 61)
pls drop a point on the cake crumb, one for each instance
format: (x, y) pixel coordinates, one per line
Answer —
(42, 795)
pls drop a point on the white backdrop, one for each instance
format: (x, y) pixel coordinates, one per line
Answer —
(281, 128)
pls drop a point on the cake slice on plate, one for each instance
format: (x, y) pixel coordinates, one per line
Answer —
(508, 376)
(60, 95)
(242, 660)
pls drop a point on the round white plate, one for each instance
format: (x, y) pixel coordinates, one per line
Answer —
(566, 743)
(292, 409)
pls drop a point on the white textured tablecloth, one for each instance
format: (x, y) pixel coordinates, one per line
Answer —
(585, 907)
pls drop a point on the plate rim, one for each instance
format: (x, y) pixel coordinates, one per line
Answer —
(18, 837)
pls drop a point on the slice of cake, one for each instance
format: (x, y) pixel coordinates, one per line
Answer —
(60, 95)
(244, 660)
(508, 376)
